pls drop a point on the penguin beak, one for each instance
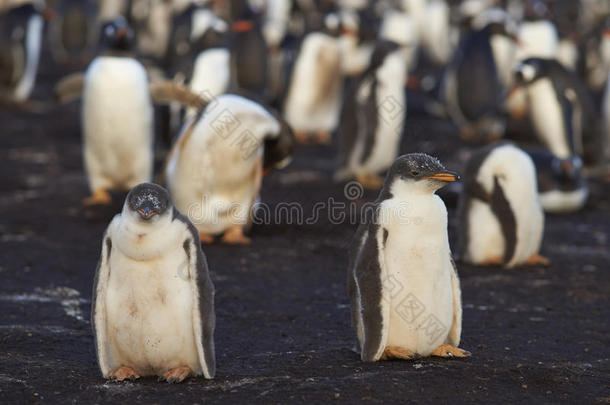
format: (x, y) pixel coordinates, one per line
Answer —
(147, 213)
(447, 176)
(122, 32)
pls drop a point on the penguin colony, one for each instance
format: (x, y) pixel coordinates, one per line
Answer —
(244, 82)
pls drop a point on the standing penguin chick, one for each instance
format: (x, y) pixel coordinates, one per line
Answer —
(20, 45)
(373, 117)
(117, 118)
(214, 172)
(403, 285)
(501, 217)
(153, 299)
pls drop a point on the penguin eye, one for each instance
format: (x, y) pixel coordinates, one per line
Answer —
(414, 173)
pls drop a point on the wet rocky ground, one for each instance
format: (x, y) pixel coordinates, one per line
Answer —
(283, 334)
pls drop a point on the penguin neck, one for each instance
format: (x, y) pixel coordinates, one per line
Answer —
(409, 189)
(141, 240)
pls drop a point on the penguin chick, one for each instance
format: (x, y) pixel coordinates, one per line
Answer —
(373, 117)
(153, 299)
(214, 171)
(402, 282)
(561, 187)
(502, 220)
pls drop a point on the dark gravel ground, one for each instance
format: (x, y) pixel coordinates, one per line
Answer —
(283, 333)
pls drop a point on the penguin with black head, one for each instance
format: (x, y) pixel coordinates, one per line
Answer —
(373, 117)
(20, 45)
(153, 300)
(403, 284)
(473, 88)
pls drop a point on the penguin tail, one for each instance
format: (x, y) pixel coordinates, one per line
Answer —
(70, 88)
(166, 92)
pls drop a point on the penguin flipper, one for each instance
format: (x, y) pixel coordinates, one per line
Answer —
(166, 91)
(70, 88)
(202, 289)
(501, 208)
(98, 305)
(456, 328)
(372, 310)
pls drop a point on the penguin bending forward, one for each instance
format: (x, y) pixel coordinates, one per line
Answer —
(402, 282)
(214, 171)
(502, 221)
(153, 299)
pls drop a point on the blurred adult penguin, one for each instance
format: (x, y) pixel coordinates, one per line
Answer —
(373, 117)
(73, 31)
(561, 186)
(214, 171)
(502, 221)
(472, 87)
(151, 21)
(561, 110)
(20, 44)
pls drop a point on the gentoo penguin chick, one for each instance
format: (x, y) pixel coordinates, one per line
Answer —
(473, 87)
(153, 299)
(501, 217)
(214, 171)
(313, 99)
(561, 109)
(403, 285)
(20, 45)
(561, 187)
(117, 117)
(373, 117)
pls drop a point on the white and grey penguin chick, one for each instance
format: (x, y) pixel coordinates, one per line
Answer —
(373, 117)
(502, 221)
(403, 285)
(153, 299)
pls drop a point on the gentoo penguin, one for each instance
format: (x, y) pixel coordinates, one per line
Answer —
(151, 21)
(561, 109)
(501, 217)
(472, 87)
(20, 44)
(214, 171)
(117, 117)
(73, 31)
(313, 98)
(561, 188)
(402, 281)
(153, 299)
(373, 117)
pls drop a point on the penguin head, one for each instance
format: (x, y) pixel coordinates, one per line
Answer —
(529, 71)
(117, 35)
(279, 149)
(567, 171)
(418, 172)
(147, 203)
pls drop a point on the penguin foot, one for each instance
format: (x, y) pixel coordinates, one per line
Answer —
(370, 181)
(301, 136)
(395, 352)
(323, 138)
(124, 373)
(235, 236)
(537, 260)
(205, 238)
(468, 134)
(450, 351)
(493, 261)
(175, 375)
(99, 197)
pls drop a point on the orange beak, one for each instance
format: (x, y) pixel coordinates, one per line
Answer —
(122, 32)
(444, 176)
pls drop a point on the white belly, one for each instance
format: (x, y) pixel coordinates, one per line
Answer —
(417, 259)
(117, 123)
(149, 314)
(486, 241)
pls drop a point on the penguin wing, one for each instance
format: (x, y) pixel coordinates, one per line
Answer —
(166, 91)
(502, 210)
(70, 88)
(348, 129)
(98, 303)
(202, 289)
(456, 328)
(370, 311)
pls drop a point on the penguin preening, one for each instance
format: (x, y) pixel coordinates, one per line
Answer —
(502, 221)
(561, 110)
(561, 187)
(373, 117)
(403, 285)
(20, 44)
(215, 169)
(473, 88)
(153, 299)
